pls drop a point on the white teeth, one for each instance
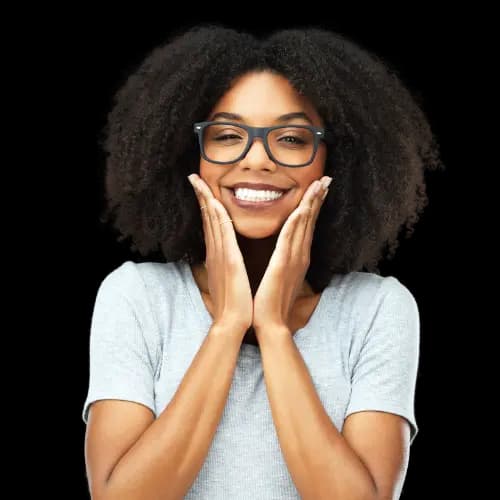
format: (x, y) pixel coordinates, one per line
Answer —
(254, 195)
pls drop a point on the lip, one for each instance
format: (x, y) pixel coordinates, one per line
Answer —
(256, 205)
(257, 186)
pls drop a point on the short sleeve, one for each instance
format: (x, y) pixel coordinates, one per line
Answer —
(124, 341)
(384, 376)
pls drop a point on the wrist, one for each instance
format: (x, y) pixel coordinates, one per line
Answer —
(272, 331)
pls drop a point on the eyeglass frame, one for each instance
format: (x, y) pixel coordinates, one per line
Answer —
(262, 132)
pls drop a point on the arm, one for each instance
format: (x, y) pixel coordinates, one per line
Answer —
(324, 463)
(165, 458)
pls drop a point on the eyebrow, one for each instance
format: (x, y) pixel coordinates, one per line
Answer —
(283, 118)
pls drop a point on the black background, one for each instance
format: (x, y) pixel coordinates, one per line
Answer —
(88, 55)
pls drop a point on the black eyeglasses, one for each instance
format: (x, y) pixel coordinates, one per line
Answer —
(287, 145)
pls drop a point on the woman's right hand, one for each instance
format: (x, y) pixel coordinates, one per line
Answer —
(228, 283)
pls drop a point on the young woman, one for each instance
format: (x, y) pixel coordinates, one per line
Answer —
(257, 352)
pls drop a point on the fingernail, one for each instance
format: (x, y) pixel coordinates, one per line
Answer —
(193, 181)
(326, 182)
(316, 188)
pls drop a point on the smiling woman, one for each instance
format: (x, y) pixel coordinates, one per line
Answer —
(257, 352)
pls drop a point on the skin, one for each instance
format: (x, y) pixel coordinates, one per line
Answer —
(259, 98)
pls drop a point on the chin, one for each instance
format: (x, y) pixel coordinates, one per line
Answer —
(256, 232)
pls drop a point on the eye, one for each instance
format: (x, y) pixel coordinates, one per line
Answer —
(226, 137)
(292, 139)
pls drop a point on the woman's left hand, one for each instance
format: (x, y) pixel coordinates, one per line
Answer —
(273, 302)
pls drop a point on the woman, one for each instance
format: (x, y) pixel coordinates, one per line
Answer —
(262, 355)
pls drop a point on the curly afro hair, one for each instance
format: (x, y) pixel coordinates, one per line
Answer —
(382, 143)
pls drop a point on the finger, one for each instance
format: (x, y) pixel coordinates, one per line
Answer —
(282, 251)
(203, 195)
(307, 207)
(222, 227)
(316, 204)
(228, 235)
(292, 232)
(203, 212)
(210, 217)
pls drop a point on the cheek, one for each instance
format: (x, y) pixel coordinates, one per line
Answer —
(307, 178)
(212, 179)
(307, 175)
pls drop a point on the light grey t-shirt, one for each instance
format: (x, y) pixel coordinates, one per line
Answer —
(361, 347)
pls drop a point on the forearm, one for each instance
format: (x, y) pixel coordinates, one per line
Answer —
(165, 461)
(319, 459)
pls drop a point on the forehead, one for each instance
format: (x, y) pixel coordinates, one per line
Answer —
(260, 97)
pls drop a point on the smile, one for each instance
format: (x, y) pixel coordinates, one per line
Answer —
(256, 205)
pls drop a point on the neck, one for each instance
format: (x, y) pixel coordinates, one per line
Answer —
(256, 255)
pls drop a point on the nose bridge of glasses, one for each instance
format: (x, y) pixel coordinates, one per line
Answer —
(256, 133)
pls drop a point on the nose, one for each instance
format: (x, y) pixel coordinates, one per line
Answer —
(257, 155)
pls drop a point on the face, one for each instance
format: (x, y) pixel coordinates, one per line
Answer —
(259, 99)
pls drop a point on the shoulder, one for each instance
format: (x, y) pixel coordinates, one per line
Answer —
(131, 278)
(364, 301)
(364, 289)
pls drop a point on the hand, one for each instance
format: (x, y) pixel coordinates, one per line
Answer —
(285, 273)
(228, 282)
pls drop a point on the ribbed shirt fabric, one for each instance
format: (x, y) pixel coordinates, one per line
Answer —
(361, 347)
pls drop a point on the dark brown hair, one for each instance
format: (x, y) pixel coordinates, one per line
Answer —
(382, 143)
